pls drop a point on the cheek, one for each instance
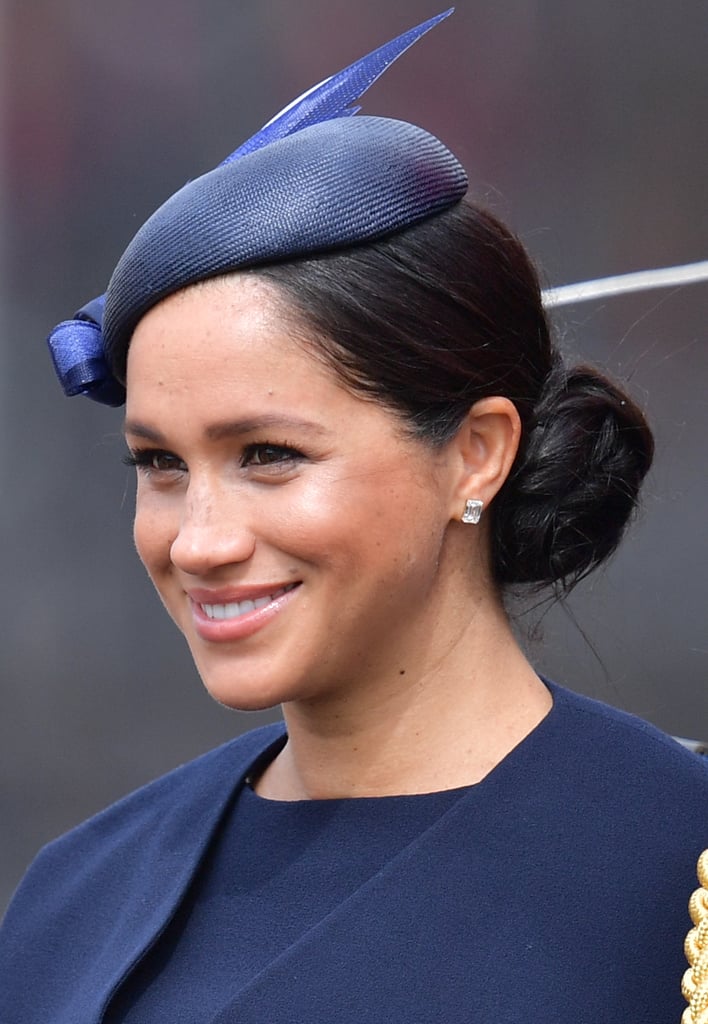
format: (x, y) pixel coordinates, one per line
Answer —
(152, 536)
(332, 514)
(384, 519)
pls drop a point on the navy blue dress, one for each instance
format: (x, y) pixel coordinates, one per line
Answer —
(553, 890)
(276, 870)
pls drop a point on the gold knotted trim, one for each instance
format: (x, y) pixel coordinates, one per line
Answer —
(694, 984)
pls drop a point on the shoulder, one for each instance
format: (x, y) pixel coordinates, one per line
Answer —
(205, 776)
(94, 899)
(602, 796)
(627, 758)
(169, 813)
(612, 729)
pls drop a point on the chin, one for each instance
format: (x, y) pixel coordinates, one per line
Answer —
(236, 700)
(242, 695)
(242, 690)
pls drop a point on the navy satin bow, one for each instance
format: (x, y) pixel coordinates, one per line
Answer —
(76, 347)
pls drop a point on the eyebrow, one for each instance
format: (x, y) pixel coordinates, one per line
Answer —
(232, 428)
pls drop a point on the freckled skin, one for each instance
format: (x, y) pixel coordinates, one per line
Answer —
(360, 521)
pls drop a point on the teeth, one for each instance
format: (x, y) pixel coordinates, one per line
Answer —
(236, 608)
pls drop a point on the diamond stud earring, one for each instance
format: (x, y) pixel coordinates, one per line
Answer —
(473, 511)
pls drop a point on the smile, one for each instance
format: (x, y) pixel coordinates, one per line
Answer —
(235, 609)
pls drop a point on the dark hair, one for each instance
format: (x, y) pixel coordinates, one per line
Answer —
(433, 318)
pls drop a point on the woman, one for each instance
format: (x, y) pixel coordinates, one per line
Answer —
(352, 432)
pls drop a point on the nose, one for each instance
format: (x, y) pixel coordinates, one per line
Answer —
(213, 532)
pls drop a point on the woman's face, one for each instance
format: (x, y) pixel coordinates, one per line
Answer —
(292, 530)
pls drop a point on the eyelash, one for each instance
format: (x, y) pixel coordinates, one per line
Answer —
(285, 453)
(146, 459)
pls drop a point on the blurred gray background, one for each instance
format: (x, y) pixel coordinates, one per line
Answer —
(582, 124)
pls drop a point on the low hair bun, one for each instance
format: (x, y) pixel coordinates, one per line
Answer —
(575, 484)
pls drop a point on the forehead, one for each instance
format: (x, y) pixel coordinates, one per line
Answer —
(213, 305)
(229, 347)
(222, 326)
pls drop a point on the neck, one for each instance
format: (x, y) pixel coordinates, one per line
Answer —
(442, 726)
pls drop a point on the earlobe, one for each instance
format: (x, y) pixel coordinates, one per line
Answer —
(487, 443)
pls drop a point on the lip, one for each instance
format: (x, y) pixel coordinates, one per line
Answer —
(227, 630)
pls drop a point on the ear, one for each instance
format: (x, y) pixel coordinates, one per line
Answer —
(485, 447)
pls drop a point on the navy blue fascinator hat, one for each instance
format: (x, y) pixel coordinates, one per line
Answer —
(314, 179)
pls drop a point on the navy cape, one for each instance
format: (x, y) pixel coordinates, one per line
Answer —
(555, 889)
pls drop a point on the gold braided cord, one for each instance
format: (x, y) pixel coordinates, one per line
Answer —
(694, 984)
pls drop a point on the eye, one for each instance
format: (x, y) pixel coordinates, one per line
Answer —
(276, 455)
(154, 460)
